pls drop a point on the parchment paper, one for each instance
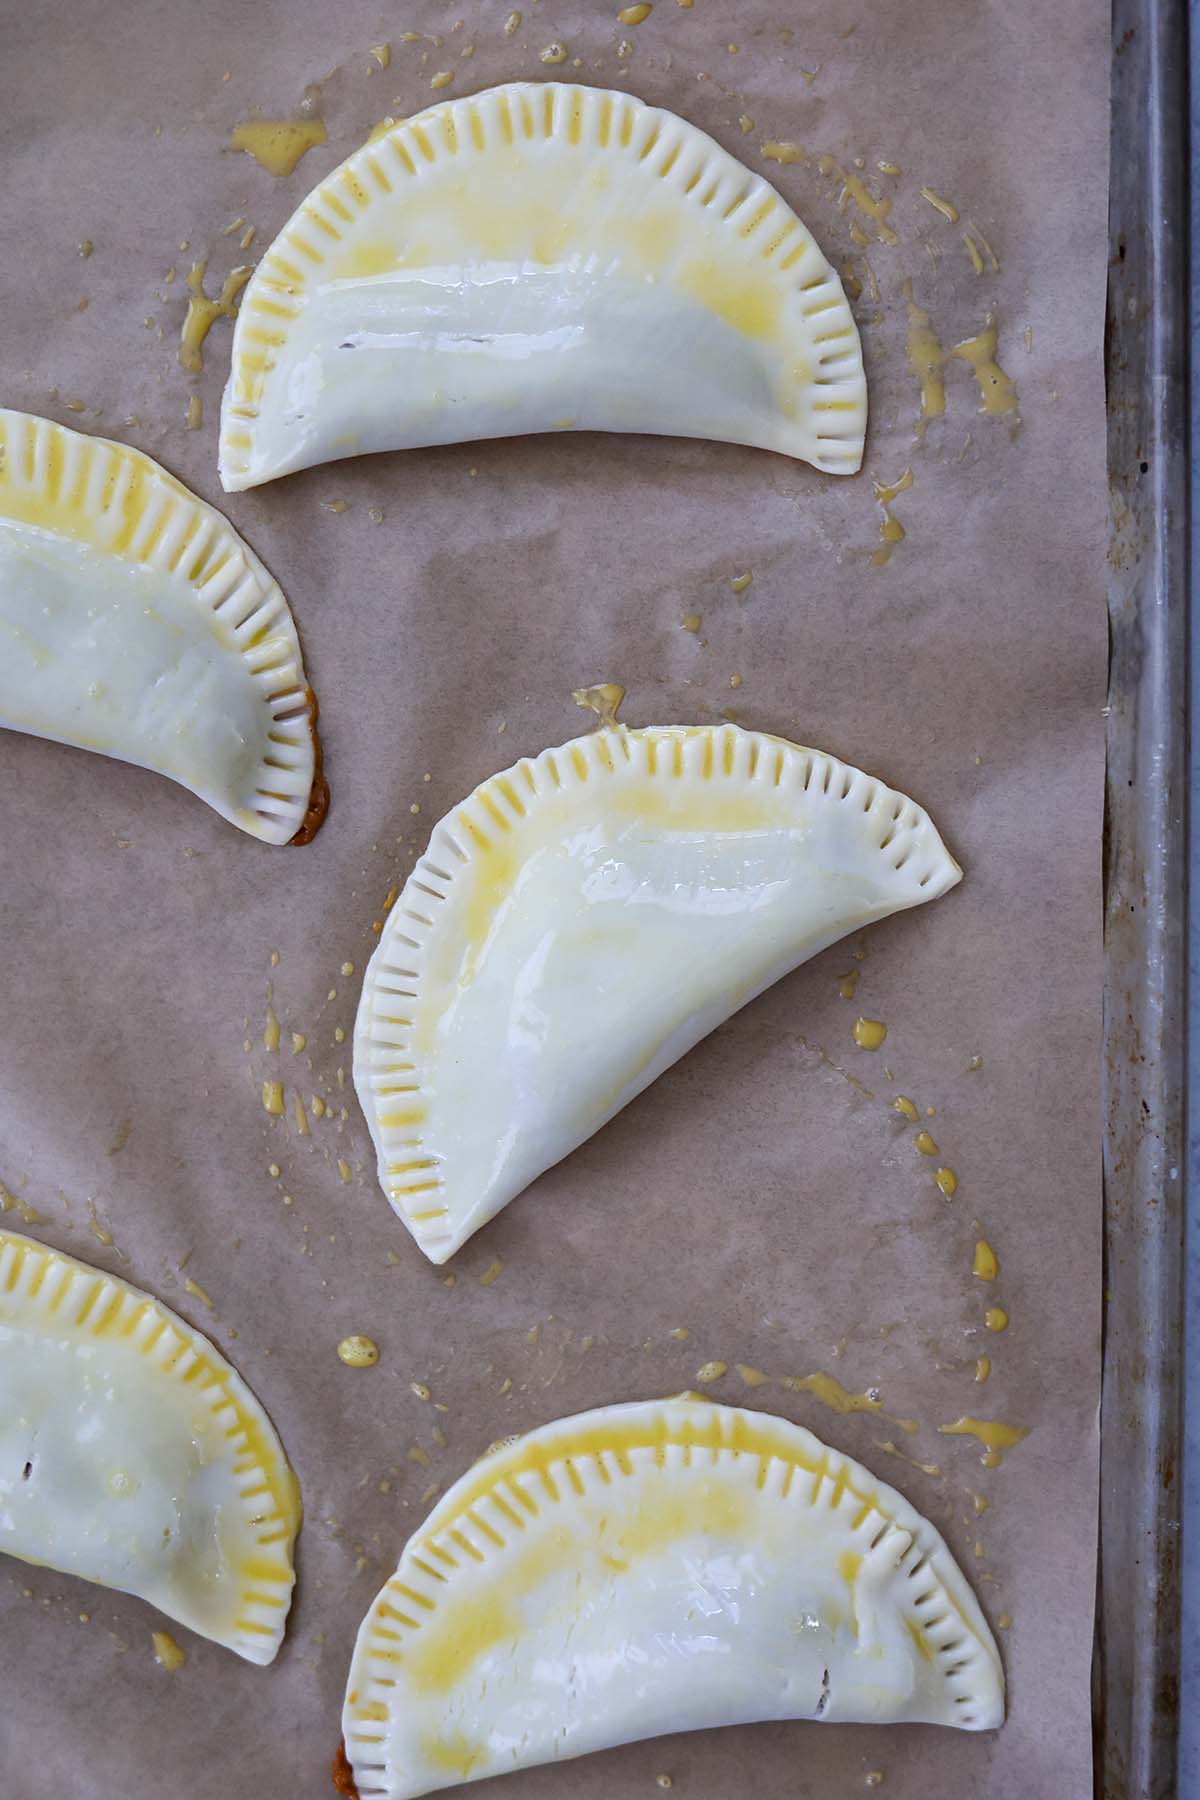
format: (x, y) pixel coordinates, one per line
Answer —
(756, 1195)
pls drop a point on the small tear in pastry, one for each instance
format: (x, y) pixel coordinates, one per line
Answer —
(132, 1454)
(137, 623)
(670, 874)
(542, 257)
(585, 1543)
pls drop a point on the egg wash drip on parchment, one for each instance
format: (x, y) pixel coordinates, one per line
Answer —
(993, 1436)
(867, 200)
(700, 1364)
(299, 1073)
(300, 1069)
(13, 1200)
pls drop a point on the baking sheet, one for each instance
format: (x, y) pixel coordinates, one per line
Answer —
(756, 1195)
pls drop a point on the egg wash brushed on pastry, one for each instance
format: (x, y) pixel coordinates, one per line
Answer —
(701, 862)
(640, 277)
(587, 1538)
(138, 624)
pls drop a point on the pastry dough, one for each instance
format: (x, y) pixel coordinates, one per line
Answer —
(132, 1454)
(134, 621)
(541, 257)
(657, 1567)
(583, 919)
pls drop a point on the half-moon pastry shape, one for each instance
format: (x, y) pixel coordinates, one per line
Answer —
(650, 1568)
(541, 257)
(134, 621)
(132, 1454)
(581, 920)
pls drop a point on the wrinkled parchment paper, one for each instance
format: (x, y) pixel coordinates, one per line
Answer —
(763, 1195)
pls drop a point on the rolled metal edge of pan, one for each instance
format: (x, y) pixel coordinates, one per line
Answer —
(1137, 1665)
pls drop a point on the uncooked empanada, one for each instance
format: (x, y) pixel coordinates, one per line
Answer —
(133, 1455)
(135, 621)
(657, 1567)
(541, 258)
(583, 919)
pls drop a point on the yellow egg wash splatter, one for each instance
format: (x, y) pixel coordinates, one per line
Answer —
(997, 391)
(855, 192)
(985, 1265)
(925, 1144)
(271, 1030)
(869, 1034)
(203, 312)
(604, 700)
(98, 1231)
(197, 1292)
(848, 984)
(830, 1392)
(711, 1371)
(992, 1433)
(947, 209)
(272, 1097)
(783, 151)
(891, 531)
(902, 1104)
(167, 1652)
(278, 144)
(983, 1367)
(980, 252)
(927, 1468)
(635, 15)
(358, 1352)
(996, 1319)
(947, 1180)
(926, 357)
(752, 1377)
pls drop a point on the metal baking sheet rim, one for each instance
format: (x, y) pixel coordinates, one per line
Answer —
(1145, 1683)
